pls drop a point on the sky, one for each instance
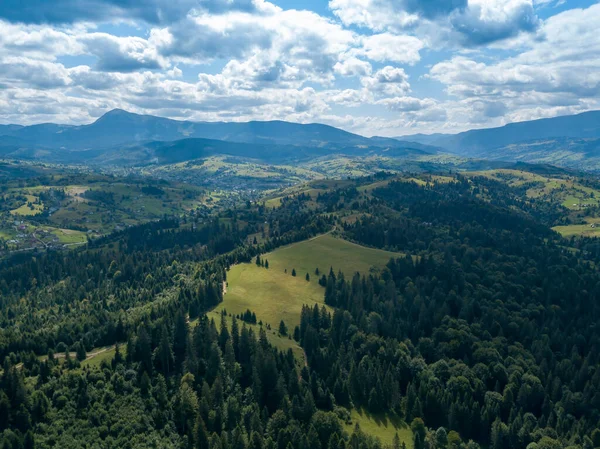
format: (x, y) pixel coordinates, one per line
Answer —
(374, 67)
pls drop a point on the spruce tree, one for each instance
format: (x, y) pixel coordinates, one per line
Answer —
(282, 328)
(81, 354)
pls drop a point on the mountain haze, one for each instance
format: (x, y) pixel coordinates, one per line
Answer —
(119, 127)
(122, 137)
(476, 142)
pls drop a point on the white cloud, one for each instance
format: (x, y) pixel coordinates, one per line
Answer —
(407, 104)
(386, 47)
(122, 54)
(352, 66)
(25, 72)
(37, 42)
(377, 15)
(472, 22)
(150, 11)
(250, 59)
(564, 58)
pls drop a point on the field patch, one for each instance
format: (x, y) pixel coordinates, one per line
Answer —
(325, 252)
(30, 207)
(274, 294)
(69, 236)
(591, 228)
(96, 357)
(382, 426)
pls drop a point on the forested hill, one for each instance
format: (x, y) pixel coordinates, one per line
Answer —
(482, 335)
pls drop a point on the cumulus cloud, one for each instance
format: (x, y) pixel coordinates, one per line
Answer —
(472, 22)
(151, 11)
(486, 21)
(122, 54)
(407, 104)
(200, 39)
(37, 42)
(288, 47)
(25, 72)
(389, 81)
(374, 14)
(251, 60)
(564, 58)
(352, 66)
(390, 47)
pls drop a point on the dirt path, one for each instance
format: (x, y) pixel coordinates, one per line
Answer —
(90, 355)
(38, 239)
(61, 355)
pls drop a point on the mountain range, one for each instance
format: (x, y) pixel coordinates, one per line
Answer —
(571, 141)
(120, 137)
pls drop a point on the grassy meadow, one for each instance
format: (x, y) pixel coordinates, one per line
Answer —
(275, 295)
(382, 426)
(325, 252)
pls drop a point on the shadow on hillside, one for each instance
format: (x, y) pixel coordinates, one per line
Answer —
(383, 419)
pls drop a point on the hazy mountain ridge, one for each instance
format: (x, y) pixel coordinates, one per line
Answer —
(122, 137)
(578, 153)
(119, 127)
(425, 139)
(583, 126)
(568, 141)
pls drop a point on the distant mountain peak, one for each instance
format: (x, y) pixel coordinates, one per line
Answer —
(116, 113)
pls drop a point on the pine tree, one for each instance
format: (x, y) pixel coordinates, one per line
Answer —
(180, 338)
(81, 354)
(282, 328)
(29, 441)
(118, 358)
(145, 384)
(307, 277)
(293, 272)
(396, 442)
(200, 434)
(163, 354)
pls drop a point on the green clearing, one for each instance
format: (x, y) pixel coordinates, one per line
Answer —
(94, 357)
(105, 354)
(382, 426)
(6, 234)
(585, 229)
(68, 236)
(273, 203)
(325, 252)
(272, 294)
(26, 210)
(375, 185)
(579, 199)
(275, 295)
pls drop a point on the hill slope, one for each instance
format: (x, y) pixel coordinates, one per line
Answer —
(572, 152)
(475, 142)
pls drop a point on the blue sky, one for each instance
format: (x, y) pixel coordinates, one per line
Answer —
(375, 67)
